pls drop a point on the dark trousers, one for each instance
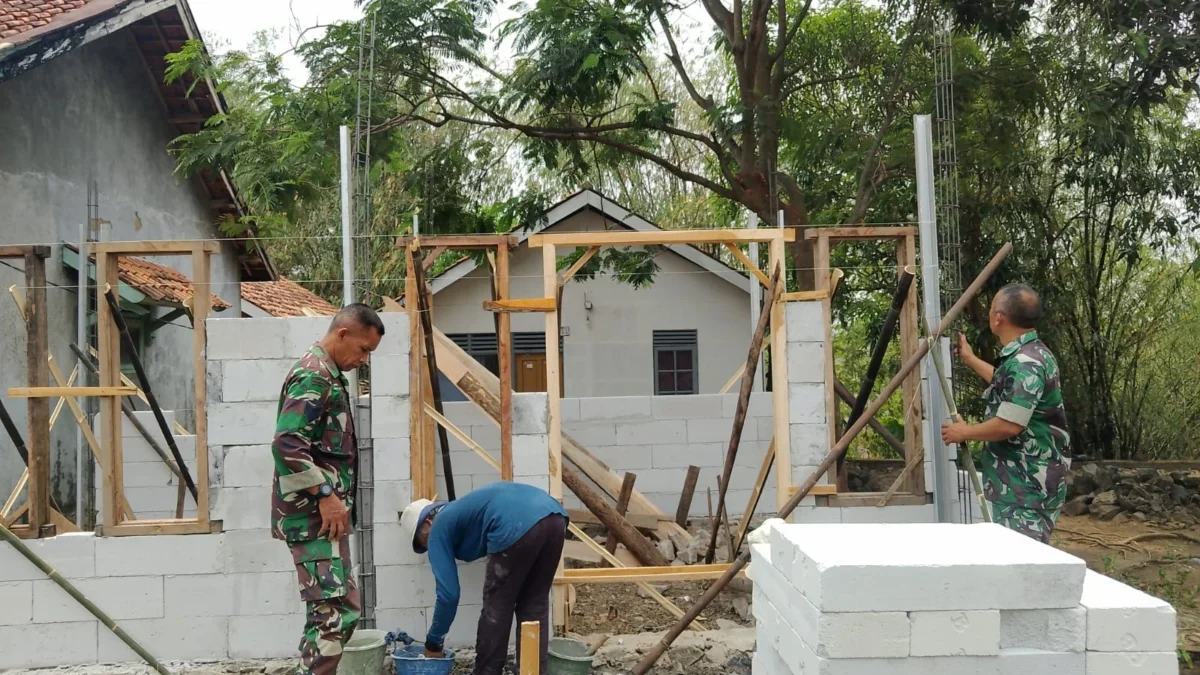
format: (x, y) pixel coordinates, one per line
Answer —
(518, 582)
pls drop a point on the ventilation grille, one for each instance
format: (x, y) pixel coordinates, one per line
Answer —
(674, 338)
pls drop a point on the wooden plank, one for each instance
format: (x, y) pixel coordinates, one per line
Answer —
(617, 526)
(750, 266)
(656, 238)
(780, 395)
(459, 241)
(644, 574)
(610, 543)
(823, 270)
(759, 483)
(416, 363)
(567, 274)
(741, 370)
(61, 523)
(505, 355)
(141, 528)
(871, 499)
(431, 257)
(8, 521)
(817, 491)
(861, 232)
(805, 295)
(553, 391)
(462, 437)
(910, 327)
(531, 647)
(57, 392)
(164, 247)
(646, 588)
(16, 493)
(38, 376)
(642, 521)
(201, 309)
(520, 305)
(686, 495)
(22, 250)
(109, 349)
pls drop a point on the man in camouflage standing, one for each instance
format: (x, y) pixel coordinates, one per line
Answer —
(316, 456)
(1027, 446)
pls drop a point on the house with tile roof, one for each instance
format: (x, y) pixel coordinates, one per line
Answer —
(282, 298)
(86, 122)
(686, 333)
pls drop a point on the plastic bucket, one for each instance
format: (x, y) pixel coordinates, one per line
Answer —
(411, 660)
(569, 657)
(363, 654)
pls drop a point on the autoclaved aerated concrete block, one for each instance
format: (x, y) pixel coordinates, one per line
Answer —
(389, 417)
(192, 595)
(1053, 630)
(955, 633)
(245, 423)
(195, 638)
(806, 403)
(809, 446)
(73, 555)
(123, 598)
(149, 556)
(303, 331)
(700, 406)
(925, 567)
(17, 600)
(392, 459)
(806, 362)
(531, 455)
(253, 379)
(254, 551)
(805, 321)
(530, 413)
(1132, 663)
(246, 508)
(389, 375)
(264, 637)
(246, 338)
(1121, 618)
(247, 466)
(33, 646)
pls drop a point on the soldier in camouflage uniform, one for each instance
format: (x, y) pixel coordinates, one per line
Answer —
(1027, 451)
(315, 461)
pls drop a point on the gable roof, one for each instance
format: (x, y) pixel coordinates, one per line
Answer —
(33, 32)
(594, 201)
(161, 285)
(285, 298)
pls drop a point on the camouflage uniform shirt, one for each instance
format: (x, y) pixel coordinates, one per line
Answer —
(1029, 470)
(314, 444)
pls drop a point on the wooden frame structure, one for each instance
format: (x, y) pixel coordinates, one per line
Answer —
(912, 490)
(110, 377)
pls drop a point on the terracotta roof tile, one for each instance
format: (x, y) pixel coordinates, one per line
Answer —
(18, 16)
(285, 298)
(155, 281)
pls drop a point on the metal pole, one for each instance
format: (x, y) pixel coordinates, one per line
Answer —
(755, 298)
(347, 226)
(944, 470)
(81, 339)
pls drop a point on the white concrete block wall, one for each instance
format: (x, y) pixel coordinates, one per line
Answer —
(803, 629)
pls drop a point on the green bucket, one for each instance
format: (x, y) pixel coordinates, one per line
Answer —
(569, 657)
(364, 653)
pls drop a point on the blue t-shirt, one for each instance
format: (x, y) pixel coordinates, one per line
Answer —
(484, 521)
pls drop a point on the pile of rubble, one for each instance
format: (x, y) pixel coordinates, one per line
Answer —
(1144, 494)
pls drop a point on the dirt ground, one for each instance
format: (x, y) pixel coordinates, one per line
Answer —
(1163, 561)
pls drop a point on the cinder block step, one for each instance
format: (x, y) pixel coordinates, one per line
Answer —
(924, 567)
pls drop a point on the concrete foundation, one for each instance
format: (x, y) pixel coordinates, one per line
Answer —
(944, 599)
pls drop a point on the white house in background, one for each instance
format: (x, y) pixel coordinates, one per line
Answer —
(686, 333)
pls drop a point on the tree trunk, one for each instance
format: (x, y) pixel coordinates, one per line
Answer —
(618, 527)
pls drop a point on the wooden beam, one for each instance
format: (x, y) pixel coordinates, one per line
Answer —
(860, 232)
(20, 251)
(38, 376)
(658, 238)
(566, 275)
(520, 305)
(463, 438)
(750, 264)
(642, 521)
(141, 528)
(577, 550)
(109, 358)
(644, 574)
(622, 507)
(56, 392)
(780, 387)
(531, 648)
(818, 490)
(459, 241)
(504, 355)
(824, 278)
(425, 307)
(685, 496)
(201, 308)
(617, 526)
(805, 295)
(649, 590)
(431, 257)
(871, 499)
(553, 381)
(163, 247)
(8, 521)
(911, 396)
(416, 364)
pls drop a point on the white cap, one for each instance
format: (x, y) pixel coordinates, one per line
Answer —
(410, 520)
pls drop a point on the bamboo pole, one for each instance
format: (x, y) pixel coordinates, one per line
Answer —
(81, 599)
(531, 647)
(967, 460)
(838, 450)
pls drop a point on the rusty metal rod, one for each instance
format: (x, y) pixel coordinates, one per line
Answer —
(736, 566)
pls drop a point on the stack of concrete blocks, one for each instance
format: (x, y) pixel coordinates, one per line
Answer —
(809, 423)
(151, 489)
(928, 599)
(659, 437)
(530, 444)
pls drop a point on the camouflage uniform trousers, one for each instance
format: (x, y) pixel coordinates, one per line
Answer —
(1034, 523)
(327, 586)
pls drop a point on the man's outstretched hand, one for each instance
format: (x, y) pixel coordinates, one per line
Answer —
(335, 517)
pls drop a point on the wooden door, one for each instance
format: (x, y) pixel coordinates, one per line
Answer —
(531, 372)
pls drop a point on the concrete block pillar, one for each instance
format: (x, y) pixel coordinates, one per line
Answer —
(531, 440)
(809, 423)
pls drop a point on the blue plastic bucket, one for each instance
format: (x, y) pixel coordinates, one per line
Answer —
(411, 660)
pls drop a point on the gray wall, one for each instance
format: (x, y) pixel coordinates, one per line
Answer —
(93, 114)
(610, 349)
